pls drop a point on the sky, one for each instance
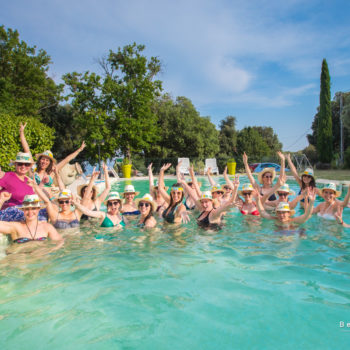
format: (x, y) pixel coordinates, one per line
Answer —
(257, 60)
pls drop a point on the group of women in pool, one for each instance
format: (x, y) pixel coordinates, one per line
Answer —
(32, 211)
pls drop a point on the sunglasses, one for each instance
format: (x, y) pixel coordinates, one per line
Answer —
(23, 164)
(247, 194)
(309, 176)
(143, 204)
(282, 194)
(268, 176)
(64, 202)
(111, 204)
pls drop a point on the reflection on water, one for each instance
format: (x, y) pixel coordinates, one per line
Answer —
(245, 286)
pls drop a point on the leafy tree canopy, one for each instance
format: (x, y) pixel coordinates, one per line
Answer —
(25, 88)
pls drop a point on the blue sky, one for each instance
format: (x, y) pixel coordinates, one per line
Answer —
(257, 60)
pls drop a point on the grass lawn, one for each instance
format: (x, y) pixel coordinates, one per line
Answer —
(333, 174)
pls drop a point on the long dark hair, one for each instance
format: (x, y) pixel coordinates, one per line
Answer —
(49, 168)
(172, 203)
(312, 183)
(150, 214)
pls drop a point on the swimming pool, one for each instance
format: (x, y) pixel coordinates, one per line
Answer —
(247, 286)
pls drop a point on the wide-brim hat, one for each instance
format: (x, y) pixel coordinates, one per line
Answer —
(206, 195)
(309, 172)
(331, 186)
(47, 154)
(285, 189)
(264, 171)
(147, 198)
(22, 157)
(130, 189)
(246, 188)
(81, 187)
(64, 194)
(284, 206)
(113, 196)
(31, 201)
(217, 189)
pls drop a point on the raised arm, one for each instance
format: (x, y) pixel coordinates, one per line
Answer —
(101, 198)
(66, 160)
(211, 181)
(22, 137)
(273, 189)
(223, 207)
(178, 172)
(283, 164)
(192, 193)
(88, 212)
(60, 183)
(346, 199)
(293, 170)
(296, 200)
(227, 179)
(150, 179)
(248, 171)
(4, 197)
(309, 207)
(161, 186)
(194, 181)
(261, 208)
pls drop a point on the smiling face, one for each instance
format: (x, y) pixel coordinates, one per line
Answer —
(267, 178)
(176, 195)
(113, 206)
(64, 204)
(44, 162)
(144, 208)
(328, 195)
(283, 216)
(22, 168)
(283, 196)
(207, 204)
(129, 197)
(217, 194)
(31, 214)
(248, 196)
(306, 179)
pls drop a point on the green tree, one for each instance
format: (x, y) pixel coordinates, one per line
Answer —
(250, 141)
(270, 137)
(183, 132)
(25, 88)
(39, 136)
(227, 137)
(324, 125)
(117, 108)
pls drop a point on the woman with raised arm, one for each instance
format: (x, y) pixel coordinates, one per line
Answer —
(31, 229)
(112, 218)
(45, 161)
(230, 188)
(153, 190)
(16, 183)
(265, 177)
(305, 180)
(284, 213)
(89, 193)
(61, 216)
(176, 210)
(147, 207)
(329, 209)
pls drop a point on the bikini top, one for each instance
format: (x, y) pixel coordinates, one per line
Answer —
(85, 217)
(254, 212)
(63, 224)
(38, 180)
(187, 207)
(26, 239)
(135, 212)
(205, 221)
(107, 222)
(169, 215)
(271, 198)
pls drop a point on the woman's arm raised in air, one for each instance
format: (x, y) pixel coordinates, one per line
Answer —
(161, 186)
(249, 173)
(66, 160)
(293, 170)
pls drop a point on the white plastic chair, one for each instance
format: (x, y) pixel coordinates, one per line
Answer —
(184, 168)
(211, 163)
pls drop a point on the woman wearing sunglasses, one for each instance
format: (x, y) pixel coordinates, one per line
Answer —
(46, 163)
(31, 229)
(147, 207)
(112, 218)
(16, 183)
(60, 215)
(265, 177)
(176, 210)
(153, 190)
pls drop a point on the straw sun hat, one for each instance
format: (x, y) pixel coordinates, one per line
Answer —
(148, 199)
(264, 171)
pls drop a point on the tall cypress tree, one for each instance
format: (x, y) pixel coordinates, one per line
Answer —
(324, 127)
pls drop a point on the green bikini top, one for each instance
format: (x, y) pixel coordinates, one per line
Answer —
(107, 222)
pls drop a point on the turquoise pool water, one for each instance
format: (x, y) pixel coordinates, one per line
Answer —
(248, 286)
